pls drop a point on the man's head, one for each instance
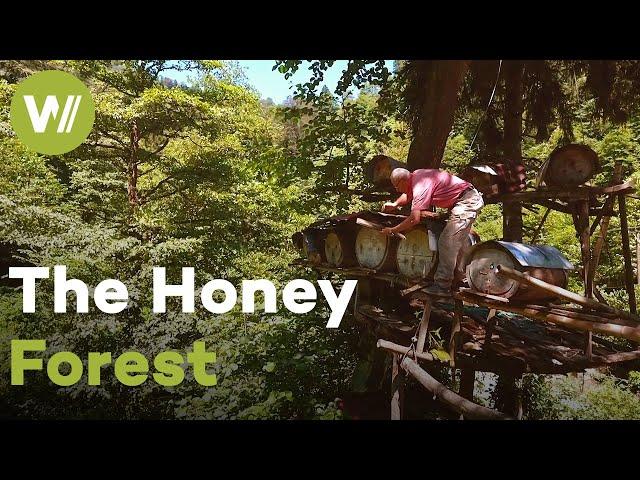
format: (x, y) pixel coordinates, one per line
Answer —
(400, 179)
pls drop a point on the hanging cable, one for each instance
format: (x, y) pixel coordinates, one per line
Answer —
(493, 93)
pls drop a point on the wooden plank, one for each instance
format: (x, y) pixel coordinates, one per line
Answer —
(581, 192)
(584, 315)
(413, 288)
(497, 298)
(377, 226)
(569, 308)
(626, 251)
(577, 193)
(627, 186)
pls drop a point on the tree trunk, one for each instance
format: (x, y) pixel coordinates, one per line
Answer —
(437, 113)
(512, 147)
(132, 180)
(507, 395)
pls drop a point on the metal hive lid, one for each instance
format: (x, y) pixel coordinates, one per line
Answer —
(544, 256)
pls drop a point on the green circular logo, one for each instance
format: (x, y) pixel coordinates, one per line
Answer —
(52, 112)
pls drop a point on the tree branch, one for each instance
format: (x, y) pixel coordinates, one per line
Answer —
(150, 192)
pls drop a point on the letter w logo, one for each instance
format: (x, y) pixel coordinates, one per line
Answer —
(39, 120)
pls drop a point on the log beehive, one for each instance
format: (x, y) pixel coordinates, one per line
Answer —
(378, 170)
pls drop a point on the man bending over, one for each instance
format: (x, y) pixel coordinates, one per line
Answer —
(425, 188)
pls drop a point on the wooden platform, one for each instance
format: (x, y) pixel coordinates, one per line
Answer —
(518, 345)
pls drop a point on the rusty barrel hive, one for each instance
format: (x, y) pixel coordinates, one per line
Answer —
(312, 246)
(375, 250)
(309, 244)
(540, 261)
(572, 164)
(339, 246)
(415, 257)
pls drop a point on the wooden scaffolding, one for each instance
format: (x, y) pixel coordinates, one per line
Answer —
(494, 334)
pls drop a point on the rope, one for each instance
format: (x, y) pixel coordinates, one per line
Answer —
(495, 86)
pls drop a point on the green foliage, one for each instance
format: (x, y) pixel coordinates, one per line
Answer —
(214, 190)
(571, 398)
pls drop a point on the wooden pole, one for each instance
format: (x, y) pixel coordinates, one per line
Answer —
(467, 382)
(599, 317)
(638, 255)
(402, 350)
(491, 325)
(604, 227)
(599, 296)
(582, 224)
(456, 326)
(626, 251)
(631, 333)
(588, 345)
(397, 389)
(424, 326)
(563, 293)
(518, 407)
(540, 225)
(453, 400)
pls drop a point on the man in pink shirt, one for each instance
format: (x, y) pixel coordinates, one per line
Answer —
(425, 188)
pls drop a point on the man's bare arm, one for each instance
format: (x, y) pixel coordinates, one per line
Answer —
(409, 222)
(400, 201)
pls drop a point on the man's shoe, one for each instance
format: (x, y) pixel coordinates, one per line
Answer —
(438, 291)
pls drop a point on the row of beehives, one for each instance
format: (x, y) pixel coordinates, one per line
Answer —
(351, 245)
(568, 165)
(415, 257)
